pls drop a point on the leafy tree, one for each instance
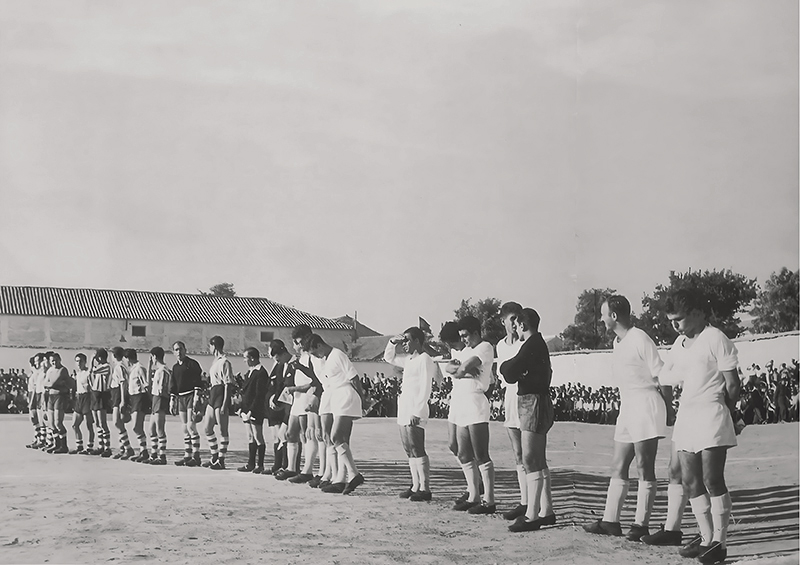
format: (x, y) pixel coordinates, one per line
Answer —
(488, 312)
(587, 331)
(776, 307)
(726, 294)
(221, 289)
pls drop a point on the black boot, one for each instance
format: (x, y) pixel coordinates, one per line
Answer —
(279, 453)
(251, 461)
(261, 449)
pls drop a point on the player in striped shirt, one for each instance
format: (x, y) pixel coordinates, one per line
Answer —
(160, 404)
(219, 403)
(99, 375)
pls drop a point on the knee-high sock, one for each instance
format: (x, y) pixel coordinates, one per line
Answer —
(346, 460)
(213, 446)
(261, 450)
(701, 508)
(251, 460)
(615, 498)
(223, 446)
(162, 445)
(487, 476)
(523, 485)
(292, 448)
(331, 469)
(720, 516)
(187, 444)
(645, 497)
(322, 452)
(472, 478)
(422, 467)
(78, 439)
(535, 483)
(142, 437)
(154, 442)
(412, 465)
(676, 504)
(91, 437)
(546, 500)
(310, 451)
(124, 443)
(195, 444)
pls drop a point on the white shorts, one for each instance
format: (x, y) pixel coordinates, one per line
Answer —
(325, 403)
(344, 401)
(405, 411)
(469, 408)
(703, 425)
(511, 407)
(299, 404)
(642, 416)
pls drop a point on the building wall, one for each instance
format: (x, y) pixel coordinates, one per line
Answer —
(80, 333)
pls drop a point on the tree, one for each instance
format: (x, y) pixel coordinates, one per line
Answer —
(776, 307)
(726, 294)
(488, 312)
(587, 331)
(221, 289)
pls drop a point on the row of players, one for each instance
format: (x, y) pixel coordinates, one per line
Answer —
(322, 396)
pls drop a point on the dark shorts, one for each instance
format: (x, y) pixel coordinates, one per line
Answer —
(216, 396)
(535, 413)
(140, 403)
(37, 401)
(185, 402)
(58, 401)
(160, 404)
(101, 400)
(279, 416)
(114, 396)
(83, 403)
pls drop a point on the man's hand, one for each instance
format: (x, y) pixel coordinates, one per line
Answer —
(313, 404)
(415, 420)
(399, 338)
(452, 367)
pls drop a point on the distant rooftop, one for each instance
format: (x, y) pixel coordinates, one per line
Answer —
(156, 307)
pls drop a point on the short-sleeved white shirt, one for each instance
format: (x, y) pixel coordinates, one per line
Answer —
(161, 376)
(635, 363)
(418, 374)
(82, 382)
(119, 375)
(485, 352)
(221, 372)
(138, 379)
(506, 352)
(338, 370)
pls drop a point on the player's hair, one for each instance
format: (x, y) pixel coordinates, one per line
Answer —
(252, 352)
(449, 332)
(530, 319)
(416, 334)
(276, 347)
(619, 305)
(32, 361)
(81, 356)
(158, 353)
(101, 355)
(315, 340)
(217, 342)
(40, 356)
(53, 355)
(471, 324)
(510, 308)
(685, 300)
(118, 353)
(301, 331)
(131, 355)
(179, 342)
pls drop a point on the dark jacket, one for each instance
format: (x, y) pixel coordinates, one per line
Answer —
(254, 392)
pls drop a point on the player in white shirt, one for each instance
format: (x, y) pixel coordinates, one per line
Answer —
(159, 400)
(118, 385)
(470, 411)
(82, 410)
(419, 370)
(507, 348)
(34, 401)
(705, 360)
(344, 387)
(642, 419)
(219, 403)
(139, 394)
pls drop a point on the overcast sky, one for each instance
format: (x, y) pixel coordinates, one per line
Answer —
(395, 157)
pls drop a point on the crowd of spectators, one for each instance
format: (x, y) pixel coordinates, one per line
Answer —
(769, 395)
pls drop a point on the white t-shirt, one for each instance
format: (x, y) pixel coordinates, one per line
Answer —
(118, 376)
(418, 374)
(221, 372)
(339, 370)
(138, 380)
(480, 384)
(82, 381)
(506, 352)
(635, 362)
(161, 376)
(699, 367)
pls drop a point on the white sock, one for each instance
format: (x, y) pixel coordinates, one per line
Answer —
(412, 464)
(346, 462)
(310, 450)
(720, 517)
(425, 473)
(323, 457)
(535, 484)
(701, 507)
(676, 504)
(523, 485)
(615, 498)
(645, 497)
(472, 484)
(330, 464)
(546, 501)
(291, 455)
(487, 476)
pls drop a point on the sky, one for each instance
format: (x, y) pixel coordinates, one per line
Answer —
(392, 158)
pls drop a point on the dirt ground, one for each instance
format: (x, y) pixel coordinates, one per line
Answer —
(82, 509)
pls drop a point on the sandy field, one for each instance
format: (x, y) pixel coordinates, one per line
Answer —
(82, 509)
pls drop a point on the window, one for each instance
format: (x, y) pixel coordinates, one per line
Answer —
(266, 337)
(138, 331)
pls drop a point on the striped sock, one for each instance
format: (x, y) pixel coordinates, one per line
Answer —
(212, 445)
(78, 442)
(154, 443)
(162, 445)
(187, 445)
(195, 444)
(223, 446)
(124, 442)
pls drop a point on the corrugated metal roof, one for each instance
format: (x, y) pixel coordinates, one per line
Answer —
(156, 307)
